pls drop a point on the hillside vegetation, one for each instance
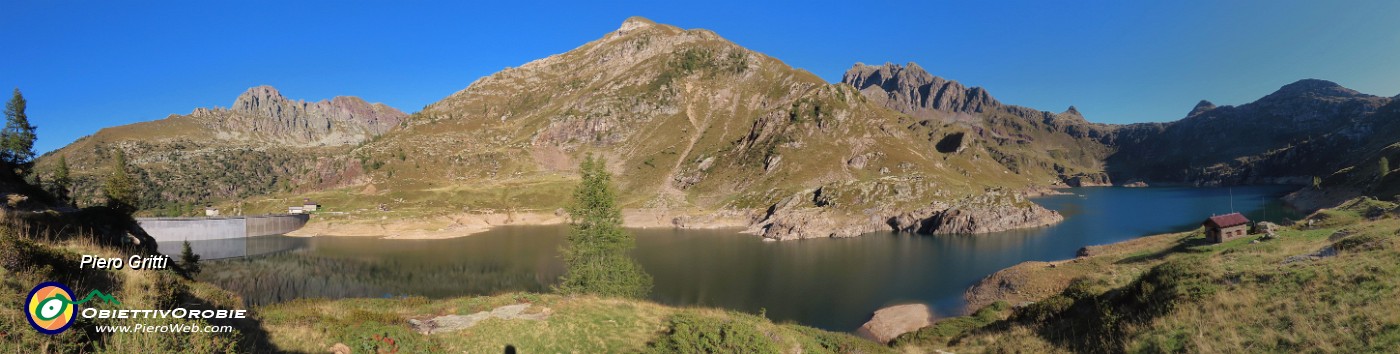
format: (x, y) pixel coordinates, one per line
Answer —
(1326, 284)
(265, 143)
(582, 324)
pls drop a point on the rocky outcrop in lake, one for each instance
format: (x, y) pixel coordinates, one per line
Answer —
(993, 211)
(975, 219)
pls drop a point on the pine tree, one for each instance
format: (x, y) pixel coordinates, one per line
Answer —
(120, 188)
(62, 182)
(17, 138)
(597, 251)
(189, 261)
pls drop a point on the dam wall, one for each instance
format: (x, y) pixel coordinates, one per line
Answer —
(219, 228)
(264, 225)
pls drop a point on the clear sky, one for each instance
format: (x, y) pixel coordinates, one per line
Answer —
(85, 65)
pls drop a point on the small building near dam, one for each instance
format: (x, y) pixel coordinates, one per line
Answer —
(1223, 228)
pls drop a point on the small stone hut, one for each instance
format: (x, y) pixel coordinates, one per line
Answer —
(1222, 228)
(309, 205)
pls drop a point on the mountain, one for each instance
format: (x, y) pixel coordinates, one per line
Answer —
(696, 128)
(1304, 129)
(690, 121)
(263, 143)
(1026, 141)
(262, 115)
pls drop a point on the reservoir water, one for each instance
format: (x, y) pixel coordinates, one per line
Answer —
(832, 284)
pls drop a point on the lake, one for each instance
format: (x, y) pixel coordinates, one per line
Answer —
(832, 284)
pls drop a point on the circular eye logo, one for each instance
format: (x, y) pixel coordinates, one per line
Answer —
(50, 308)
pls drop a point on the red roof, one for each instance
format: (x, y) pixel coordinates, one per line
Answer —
(1227, 220)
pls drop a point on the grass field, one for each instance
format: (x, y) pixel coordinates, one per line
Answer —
(1177, 293)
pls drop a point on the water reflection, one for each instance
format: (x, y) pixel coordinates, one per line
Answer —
(829, 283)
(234, 247)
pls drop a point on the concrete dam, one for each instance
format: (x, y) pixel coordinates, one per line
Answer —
(215, 237)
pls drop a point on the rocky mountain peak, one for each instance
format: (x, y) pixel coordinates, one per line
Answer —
(1313, 88)
(262, 113)
(1201, 107)
(913, 90)
(258, 99)
(634, 23)
(1072, 111)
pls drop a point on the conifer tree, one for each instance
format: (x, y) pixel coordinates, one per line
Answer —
(62, 182)
(17, 138)
(597, 250)
(189, 261)
(120, 187)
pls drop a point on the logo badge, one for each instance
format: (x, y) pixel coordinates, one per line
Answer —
(50, 308)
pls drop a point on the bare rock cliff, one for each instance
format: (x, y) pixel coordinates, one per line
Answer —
(262, 113)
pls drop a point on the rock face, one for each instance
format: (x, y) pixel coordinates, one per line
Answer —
(890, 322)
(1087, 180)
(975, 219)
(1023, 140)
(263, 114)
(913, 90)
(795, 218)
(452, 323)
(796, 224)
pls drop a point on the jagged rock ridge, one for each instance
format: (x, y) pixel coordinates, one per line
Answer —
(262, 113)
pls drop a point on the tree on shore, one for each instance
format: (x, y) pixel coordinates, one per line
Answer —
(189, 261)
(120, 187)
(62, 181)
(17, 138)
(597, 250)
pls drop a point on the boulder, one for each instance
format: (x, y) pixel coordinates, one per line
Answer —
(890, 322)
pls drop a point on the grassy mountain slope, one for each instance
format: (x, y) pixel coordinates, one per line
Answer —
(264, 143)
(687, 120)
(1325, 284)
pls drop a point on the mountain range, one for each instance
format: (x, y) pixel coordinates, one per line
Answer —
(689, 121)
(264, 143)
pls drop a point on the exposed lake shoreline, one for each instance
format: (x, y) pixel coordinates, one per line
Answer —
(466, 224)
(787, 220)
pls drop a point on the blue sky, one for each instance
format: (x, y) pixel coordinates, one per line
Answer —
(93, 64)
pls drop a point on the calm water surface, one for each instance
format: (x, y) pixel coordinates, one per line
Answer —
(829, 283)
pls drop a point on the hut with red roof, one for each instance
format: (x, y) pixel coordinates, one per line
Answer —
(1222, 228)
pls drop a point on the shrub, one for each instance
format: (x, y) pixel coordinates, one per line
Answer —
(376, 337)
(690, 333)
